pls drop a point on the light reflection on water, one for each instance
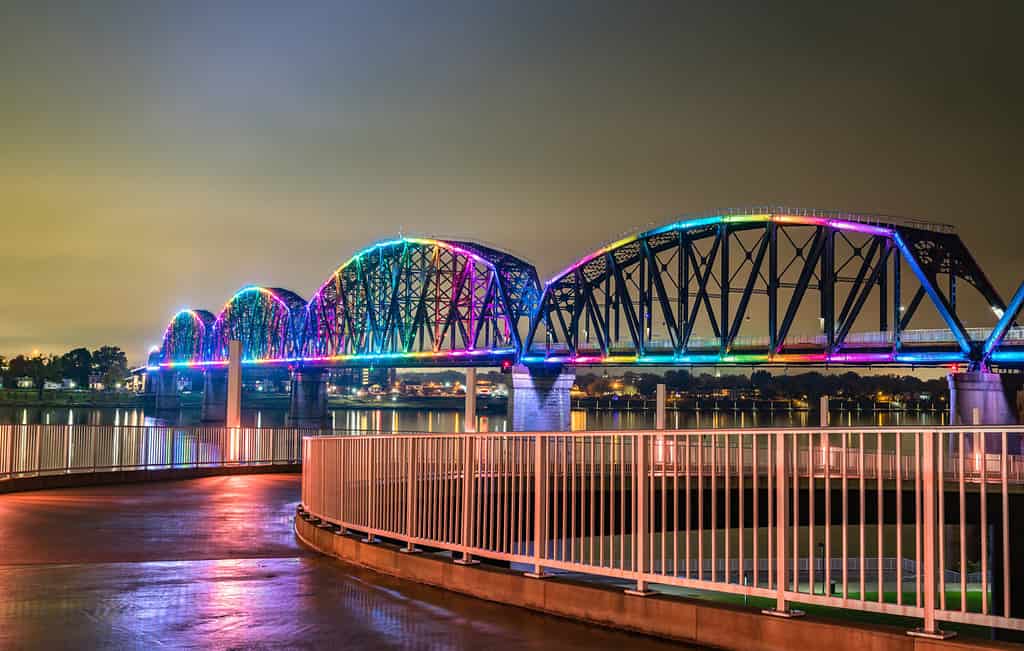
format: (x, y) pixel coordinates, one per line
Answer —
(427, 420)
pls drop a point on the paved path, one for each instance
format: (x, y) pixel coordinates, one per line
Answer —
(213, 563)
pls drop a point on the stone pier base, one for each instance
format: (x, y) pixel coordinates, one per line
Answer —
(215, 395)
(981, 393)
(309, 397)
(166, 389)
(540, 400)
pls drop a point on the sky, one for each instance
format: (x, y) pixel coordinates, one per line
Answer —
(155, 156)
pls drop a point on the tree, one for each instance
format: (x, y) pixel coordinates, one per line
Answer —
(77, 364)
(111, 364)
(39, 368)
(761, 380)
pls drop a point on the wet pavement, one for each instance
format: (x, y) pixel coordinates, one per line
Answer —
(213, 563)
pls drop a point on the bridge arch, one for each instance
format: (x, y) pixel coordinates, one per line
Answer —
(266, 320)
(185, 339)
(684, 293)
(421, 301)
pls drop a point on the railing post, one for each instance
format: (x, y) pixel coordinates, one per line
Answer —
(368, 470)
(640, 506)
(540, 515)
(781, 609)
(468, 483)
(410, 495)
(39, 436)
(927, 522)
(10, 452)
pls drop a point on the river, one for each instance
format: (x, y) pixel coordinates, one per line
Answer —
(426, 420)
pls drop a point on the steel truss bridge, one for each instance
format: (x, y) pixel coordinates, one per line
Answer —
(767, 286)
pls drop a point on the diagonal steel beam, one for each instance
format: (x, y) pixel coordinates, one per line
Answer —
(801, 288)
(1003, 326)
(741, 309)
(862, 296)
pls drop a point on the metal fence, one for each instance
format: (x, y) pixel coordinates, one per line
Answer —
(39, 450)
(894, 521)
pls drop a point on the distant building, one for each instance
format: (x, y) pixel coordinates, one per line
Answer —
(25, 382)
(135, 383)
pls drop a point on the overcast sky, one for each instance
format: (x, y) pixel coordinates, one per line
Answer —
(158, 156)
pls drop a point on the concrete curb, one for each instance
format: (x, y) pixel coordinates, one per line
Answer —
(695, 622)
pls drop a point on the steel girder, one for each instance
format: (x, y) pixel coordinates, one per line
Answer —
(268, 322)
(421, 302)
(996, 349)
(185, 339)
(640, 300)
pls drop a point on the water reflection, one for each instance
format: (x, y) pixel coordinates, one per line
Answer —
(426, 420)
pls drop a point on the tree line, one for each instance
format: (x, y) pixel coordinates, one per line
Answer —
(108, 364)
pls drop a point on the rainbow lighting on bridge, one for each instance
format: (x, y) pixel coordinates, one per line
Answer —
(687, 293)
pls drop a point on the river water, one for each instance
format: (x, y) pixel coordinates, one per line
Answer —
(425, 420)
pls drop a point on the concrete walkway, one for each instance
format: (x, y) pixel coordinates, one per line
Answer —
(213, 563)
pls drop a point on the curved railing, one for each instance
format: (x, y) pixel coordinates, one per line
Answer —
(49, 450)
(711, 510)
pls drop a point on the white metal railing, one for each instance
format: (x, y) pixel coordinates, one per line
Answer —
(722, 510)
(38, 450)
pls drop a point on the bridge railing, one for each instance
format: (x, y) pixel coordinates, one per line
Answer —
(743, 342)
(900, 522)
(40, 450)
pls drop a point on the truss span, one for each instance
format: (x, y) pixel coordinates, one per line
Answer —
(764, 287)
(186, 336)
(421, 302)
(743, 287)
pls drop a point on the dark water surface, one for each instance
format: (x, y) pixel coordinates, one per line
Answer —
(213, 563)
(427, 420)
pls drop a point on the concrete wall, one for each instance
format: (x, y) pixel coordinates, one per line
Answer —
(132, 476)
(713, 625)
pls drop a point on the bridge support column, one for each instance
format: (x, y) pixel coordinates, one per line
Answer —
(1020, 405)
(166, 389)
(540, 400)
(470, 420)
(233, 399)
(309, 397)
(215, 395)
(660, 406)
(977, 398)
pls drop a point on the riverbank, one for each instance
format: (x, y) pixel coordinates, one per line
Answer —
(69, 398)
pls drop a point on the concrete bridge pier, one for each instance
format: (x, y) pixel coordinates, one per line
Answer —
(309, 397)
(978, 398)
(166, 389)
(215, 395)
(540, 400)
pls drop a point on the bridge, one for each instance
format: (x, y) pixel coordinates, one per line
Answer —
(760, 287)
